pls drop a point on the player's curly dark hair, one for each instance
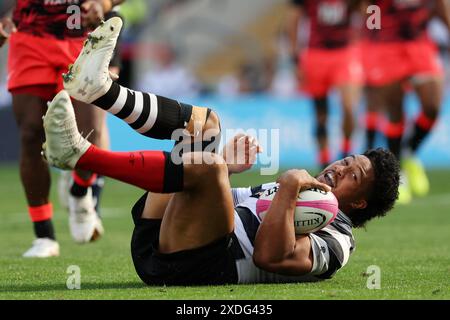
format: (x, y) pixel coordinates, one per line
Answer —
(384, 191)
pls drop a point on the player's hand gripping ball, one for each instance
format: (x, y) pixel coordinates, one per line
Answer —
(315, 209)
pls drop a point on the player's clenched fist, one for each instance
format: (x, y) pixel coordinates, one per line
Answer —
(6, 28)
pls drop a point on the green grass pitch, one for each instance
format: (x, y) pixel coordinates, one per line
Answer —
(411, 247)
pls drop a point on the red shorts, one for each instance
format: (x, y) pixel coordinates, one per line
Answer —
(35, 64)
(386, 63)
(324, 69)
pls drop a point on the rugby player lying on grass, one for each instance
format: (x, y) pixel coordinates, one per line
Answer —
(192, 228)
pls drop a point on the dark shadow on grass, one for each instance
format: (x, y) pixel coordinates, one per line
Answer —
(63, 287)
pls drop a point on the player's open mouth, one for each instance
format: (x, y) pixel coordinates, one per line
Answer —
(329, 179)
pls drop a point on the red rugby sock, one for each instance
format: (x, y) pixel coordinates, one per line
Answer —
(41, 213)
(422, 128)
(394, 133)
(324, 157)
(153, 171)
(346, 147)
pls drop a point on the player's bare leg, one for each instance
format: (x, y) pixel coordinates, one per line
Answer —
(34, 173)
(350, 95)
(373, 118)
(321, 109)
(393, 96)
(203, 212)
(153, 171)
(429, 91)
(156, 205)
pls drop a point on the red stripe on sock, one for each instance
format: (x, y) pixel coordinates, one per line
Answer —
(372, 120)
(143, 169)
(324, 157)
(394, 129)
(41, 213)
(425, 123)
(82, 182)
(346, 146)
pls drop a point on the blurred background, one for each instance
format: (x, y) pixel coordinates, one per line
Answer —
(236, 57)
(233, 56)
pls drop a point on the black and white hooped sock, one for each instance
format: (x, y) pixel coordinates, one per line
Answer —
(148, 114)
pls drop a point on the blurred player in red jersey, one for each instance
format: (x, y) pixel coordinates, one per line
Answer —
(47, 37)
(397, 54)
(330, 61)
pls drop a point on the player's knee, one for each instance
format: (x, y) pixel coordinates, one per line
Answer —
(205, 166)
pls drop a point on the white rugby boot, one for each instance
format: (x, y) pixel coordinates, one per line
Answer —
(43, 248)
(84, 224)
(63, 145)
(88, 78)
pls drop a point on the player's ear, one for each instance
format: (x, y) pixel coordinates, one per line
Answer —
(359, 204)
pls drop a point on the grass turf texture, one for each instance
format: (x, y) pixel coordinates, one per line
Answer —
(411, 246)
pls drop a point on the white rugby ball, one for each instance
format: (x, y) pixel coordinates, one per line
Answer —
(315, 209)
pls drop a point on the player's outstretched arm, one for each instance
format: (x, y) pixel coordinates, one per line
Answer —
(277, 248)
(6, 28)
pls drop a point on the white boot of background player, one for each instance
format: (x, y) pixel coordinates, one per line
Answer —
(78, 204)
(43, 248)
(84, 222)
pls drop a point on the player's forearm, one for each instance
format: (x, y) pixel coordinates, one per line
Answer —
(6, 28)
(275, 240)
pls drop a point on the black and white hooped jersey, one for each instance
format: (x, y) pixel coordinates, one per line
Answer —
(331, 246)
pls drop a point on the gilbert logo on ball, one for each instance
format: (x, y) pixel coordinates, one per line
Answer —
(315, 209)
